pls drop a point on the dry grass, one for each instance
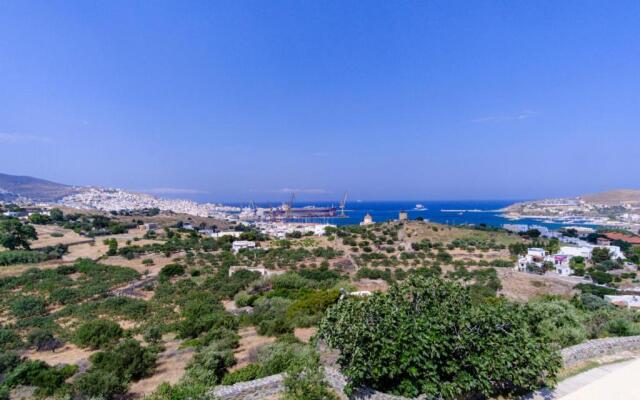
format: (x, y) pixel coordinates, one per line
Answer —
(69, 354)
(45, 238)
(522, 286)
(304, 334)
(170, 368)
(250, 343)
(159, 261)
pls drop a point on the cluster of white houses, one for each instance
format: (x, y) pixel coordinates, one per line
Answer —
(537, 257)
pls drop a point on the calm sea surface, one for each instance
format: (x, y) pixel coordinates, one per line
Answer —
(445, 212)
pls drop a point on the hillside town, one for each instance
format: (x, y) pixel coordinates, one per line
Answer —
(619, 208)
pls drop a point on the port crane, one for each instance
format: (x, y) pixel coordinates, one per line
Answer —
(343, 203)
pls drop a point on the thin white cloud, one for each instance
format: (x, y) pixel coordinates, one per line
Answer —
(7, 137)
(308, 191)
(503, 118)
(169, 190)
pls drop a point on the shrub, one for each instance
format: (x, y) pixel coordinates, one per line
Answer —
(153, 335)
(558, 321)
(43, 340)
(128, 360)
(202, 312)
(38, 373)
(8, 361)
(64, 296)
(9, 339)
(210, 364)
(309, 309)
(247, 373)
(181, 391)
(279, 356)
(430, 338)
(591, 302)
(97, 334)
(28, 306)
(269, 316)
(100, 384)
(171, 270)
(305, 380)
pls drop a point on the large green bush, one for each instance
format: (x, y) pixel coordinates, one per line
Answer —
(427, 336)
(97, 384)
(559, 321)
(97, 334)
(128, 360)
(38, 373)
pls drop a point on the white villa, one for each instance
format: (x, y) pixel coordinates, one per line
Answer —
(242, 244)
(562, 260)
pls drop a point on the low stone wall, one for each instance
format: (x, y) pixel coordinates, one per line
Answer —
(262, 388)
(252, 390)
(598, 347)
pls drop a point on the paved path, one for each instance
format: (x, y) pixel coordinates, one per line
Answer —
(618, 381)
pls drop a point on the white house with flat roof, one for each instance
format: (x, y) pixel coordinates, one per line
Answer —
(242, 244)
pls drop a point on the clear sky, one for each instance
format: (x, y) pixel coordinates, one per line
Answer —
(241, 100)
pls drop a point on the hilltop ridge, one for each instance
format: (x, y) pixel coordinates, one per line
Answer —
(16, 187)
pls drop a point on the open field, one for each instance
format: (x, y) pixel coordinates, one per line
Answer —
(46, 239)
(522, 286)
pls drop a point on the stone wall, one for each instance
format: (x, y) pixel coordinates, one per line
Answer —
(598, 347)
(252, 390)
(263, 388)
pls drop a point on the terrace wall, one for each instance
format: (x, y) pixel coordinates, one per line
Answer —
(272, 385)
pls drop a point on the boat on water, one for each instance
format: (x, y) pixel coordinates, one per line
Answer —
(419, 207)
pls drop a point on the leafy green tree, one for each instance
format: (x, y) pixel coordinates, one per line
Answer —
(39, 219)
(426, 336)
(553, 246)
(56, 215)
(14, 233)
(600, 254)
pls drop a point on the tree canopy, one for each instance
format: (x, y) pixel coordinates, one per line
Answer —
(427, 336)
(14, 233)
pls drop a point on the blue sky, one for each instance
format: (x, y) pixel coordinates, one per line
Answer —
(241, 100)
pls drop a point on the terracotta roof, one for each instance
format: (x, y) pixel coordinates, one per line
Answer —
(623, 237)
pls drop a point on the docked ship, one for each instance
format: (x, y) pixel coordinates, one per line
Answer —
(288, 211)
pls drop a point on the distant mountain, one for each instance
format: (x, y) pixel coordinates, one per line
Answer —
(14, 187)
(614, 197)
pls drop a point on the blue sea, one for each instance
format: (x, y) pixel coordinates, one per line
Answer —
(444, 212)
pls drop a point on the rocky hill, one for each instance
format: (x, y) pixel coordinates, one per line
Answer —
(614, 197)
(15, 187)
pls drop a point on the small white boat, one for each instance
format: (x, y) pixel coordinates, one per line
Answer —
(419, 207)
